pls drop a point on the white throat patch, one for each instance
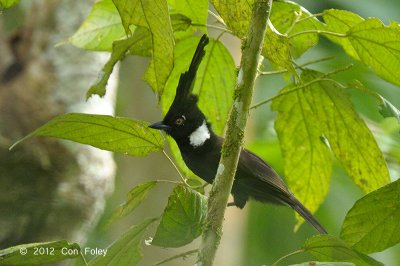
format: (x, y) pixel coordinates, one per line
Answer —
(200, 135)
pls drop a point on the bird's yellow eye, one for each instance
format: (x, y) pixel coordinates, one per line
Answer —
(179, 121)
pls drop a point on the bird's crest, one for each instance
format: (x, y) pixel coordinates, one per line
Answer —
(186, 80)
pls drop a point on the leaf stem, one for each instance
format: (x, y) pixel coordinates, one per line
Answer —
(176, 167)
(211, 26)
(287, 256)
(83, 258)
(321, 78)
(299, 66)
(319, 32)
(218, 18)
(312, 16)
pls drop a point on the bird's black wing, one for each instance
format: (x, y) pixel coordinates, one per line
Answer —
(256, 167)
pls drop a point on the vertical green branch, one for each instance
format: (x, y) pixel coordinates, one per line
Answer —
(234, 136)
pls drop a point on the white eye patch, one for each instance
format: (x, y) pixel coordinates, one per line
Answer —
(200, 135)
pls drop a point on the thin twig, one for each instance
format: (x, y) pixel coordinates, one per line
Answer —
(288, 255)
(83, 258)
(299, 66)
(312, 16)
(321, 78)
(218, 18)
(176, 168)
(296, 19)
(319, 32)
(211, 26)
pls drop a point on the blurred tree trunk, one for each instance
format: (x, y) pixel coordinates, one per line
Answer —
(49, 189)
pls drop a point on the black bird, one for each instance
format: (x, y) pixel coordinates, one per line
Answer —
(201, 150)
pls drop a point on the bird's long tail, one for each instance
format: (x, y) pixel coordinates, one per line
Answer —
(306, 214)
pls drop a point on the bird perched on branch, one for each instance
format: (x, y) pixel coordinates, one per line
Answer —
(201, 150)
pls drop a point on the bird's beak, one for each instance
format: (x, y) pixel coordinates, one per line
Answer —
(160, 125)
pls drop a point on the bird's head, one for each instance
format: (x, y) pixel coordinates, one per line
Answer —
(184, 120)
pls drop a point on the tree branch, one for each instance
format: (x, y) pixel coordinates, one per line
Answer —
(234, 136)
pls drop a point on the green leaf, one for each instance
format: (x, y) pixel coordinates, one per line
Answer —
(135, 197)
(182, 219)
(125, 250)
(39, 253)
(131, 12)
(386, 108)
(311, 114)
(116, 134)
(195, 10)
(4, 4)
(155, 16)
(307, 160)
(330, 248)
(378, 46)
(372, 223)
(276, 48)
(349, 137)
(143, 47)
(217, 70)
(119, 50)
(159, 23)
(100, 29)
(236, 14)
(341, 21)
(290, 18)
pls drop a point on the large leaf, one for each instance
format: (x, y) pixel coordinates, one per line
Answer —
(330, 248)
(309, 116)
(349, 137)
(341, 21)
(307, 160)
(39, 253)
(155, 16)
(100, 29)
(378, 46)
(276, 48)
(135, 197)
(131, 13)
(125, 250)
(119, 50)
(163, 44)
(236, 14)
(116, 134)
(180, 25)
(182, 219)
(372, 224)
